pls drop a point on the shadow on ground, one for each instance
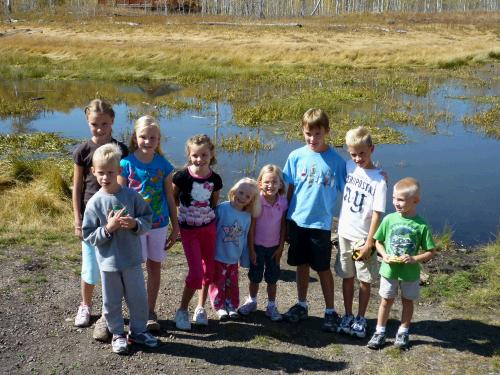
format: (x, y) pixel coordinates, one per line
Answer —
(253, 358)
(460, 334)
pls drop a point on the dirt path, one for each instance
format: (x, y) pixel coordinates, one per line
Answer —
(39, 294)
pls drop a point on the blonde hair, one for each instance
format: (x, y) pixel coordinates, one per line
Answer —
(315, 118)
(141, 123)
(271, 168)
(198, 140)
(408, 186)
(253, 207)
(358, 136)
(109, 153)
(99, 106)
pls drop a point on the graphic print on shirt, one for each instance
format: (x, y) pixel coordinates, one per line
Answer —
(232, 233)
(151, 189)
(354, 193)
(316, 176)
(402, 240)
(199, 211)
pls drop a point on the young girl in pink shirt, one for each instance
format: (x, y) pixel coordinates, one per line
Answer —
(266, 241)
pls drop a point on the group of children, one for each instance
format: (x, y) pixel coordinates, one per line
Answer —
(125, 198)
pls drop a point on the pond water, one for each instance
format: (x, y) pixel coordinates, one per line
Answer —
(458, 167)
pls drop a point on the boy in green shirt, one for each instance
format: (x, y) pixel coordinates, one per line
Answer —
(399, 238)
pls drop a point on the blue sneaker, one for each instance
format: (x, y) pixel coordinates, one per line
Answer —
(345, 324)
(331, 322)
(358, 327)
(144, 338)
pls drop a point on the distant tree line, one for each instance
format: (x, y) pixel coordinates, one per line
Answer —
(272, 8)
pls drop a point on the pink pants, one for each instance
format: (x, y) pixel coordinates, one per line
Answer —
(224, 287)
(199, 248)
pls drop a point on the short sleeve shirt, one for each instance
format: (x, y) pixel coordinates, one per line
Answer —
(364, 192)
(148, 179)
(268, 224)
(82, 156)
(316, 177)
(195, 195)
(401, 236)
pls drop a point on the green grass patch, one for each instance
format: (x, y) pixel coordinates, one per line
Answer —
(486, 122)
(243, 143)
(263, 341)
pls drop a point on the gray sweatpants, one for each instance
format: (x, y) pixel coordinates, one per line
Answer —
(128, 283)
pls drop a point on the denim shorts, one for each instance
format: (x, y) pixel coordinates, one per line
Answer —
(309, 246)
(90, 269)
(266, 266)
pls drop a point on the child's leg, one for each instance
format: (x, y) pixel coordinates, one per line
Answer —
(194, 278)
(383, 311)
(407, 312)
(135, 296)
(217, 289)
(348, 294)
(233, 288)
(364, 297)
(207, 256)
(271, 273)
(153, 252)
(89, 274)
(256, 271)
(326, 280)
(302, 279)
(112, 294)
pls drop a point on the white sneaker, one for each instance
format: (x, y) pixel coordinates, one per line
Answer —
(222, 314)
(273, 313)
(231, 311)
(182, 320)
(200, 316)
(248, 307)
(82, 318)
(119, 344)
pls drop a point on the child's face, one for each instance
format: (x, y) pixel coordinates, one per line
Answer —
(147, 140)
(361, 155)
(315, 138)
(100, 125)
(106, 175)
(405, 204)
(243, 196)
(270, 184)
(200, 155)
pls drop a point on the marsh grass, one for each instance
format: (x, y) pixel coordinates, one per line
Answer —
(487, 122)
(444, 240)
(243, 143)
(481, 284)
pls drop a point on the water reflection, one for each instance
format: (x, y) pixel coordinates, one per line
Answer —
(458, 167)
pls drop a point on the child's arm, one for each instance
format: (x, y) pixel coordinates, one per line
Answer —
(381, 250)
(279, 251)
(420, 258)
(214, 199)
(251, 242)
(172, 210)
(175, 192)
(289, 193)
(96, 233)
(365, 250)
(76, 197)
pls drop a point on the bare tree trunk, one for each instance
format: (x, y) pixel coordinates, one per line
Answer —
(9, 6)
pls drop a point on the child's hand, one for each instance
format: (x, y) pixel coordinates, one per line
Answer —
(172, 238)
(386, 258)
(114, 220)
(79, 233)
(128, 222)
(253, 257)
(277, 254)
(365, 252)
(408, 259)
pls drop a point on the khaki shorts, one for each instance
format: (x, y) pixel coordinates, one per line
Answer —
(389, 288)
(346, 267)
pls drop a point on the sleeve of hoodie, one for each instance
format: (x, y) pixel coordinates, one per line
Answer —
(143, 214)
(93, 226)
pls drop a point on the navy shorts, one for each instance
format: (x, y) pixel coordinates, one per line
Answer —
(266, 266)
(309, 246)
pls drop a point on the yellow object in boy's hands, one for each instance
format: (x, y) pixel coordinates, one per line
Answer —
(355, 249)
(395, 259)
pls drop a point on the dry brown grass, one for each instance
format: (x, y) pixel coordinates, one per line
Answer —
(356, 42)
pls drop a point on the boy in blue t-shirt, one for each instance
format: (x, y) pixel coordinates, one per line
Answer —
(314, 173)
